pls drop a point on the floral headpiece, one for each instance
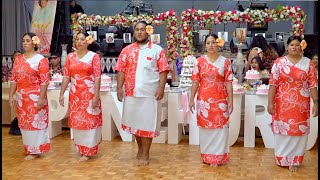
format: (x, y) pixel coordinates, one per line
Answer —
(303, 44)
(149, 29)
(35, 40)
(220, 42)
(89, 39)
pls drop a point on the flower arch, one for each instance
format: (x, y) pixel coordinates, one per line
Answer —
(79, 21)
(248, 16)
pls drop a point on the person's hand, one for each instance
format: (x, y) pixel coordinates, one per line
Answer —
(40, 103)
(271, 109)
(95, 102)
(120, 94)
(61, 100)
(315, 110)
(11, 101)
(159, 94)
(192, 106)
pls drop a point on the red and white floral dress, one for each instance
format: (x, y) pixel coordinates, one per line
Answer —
(29, 75)
(85, 121)
(142, 66)
(290, 122)
(212, 107)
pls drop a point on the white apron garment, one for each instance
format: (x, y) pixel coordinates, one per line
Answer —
(289, 150)
(88, 138)
(141, 116)
(214, 146)
(33, 140)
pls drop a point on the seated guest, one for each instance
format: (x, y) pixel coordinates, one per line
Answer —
(55, 64)
(314, 60)
(6, 72)
(257, 64)
(268, 55)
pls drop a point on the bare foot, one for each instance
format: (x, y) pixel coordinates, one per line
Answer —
(139, 155)
(31, 156)
(142, 162)
(293, 168)
(214, 165)
(83, 158)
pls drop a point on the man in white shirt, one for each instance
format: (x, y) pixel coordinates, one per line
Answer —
(142, 67)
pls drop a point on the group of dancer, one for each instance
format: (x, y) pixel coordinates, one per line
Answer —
(142, 70)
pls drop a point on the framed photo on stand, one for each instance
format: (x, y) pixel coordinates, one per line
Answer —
(241, 34)
(126, 37)
(110, 37)
(202, 35)
(279, 36)
(155, 38)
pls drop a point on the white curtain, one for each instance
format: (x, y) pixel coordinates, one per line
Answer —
(15, 22)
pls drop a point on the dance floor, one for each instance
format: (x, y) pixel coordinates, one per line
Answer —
(116, 160)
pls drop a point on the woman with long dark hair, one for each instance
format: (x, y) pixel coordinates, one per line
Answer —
(29, 82)
(212, 79)
(268, 54)
(292, 81)
(83, 69)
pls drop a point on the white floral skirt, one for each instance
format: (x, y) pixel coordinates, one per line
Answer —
(35, 142)
(214, 145)
(289, 150)
(87, 141)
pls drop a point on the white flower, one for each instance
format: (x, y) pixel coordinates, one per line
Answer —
(304, 91)
(73, 85)
(90, 85)
(92, 111)
(223, 106)
(33, 149)
(280, 126)
(34, 98)
(19, 99)
(284, 64)
(203, 108)
(40, 119)
(304, 129)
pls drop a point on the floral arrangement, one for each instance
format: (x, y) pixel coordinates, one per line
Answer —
(79, 21)
(254, 16)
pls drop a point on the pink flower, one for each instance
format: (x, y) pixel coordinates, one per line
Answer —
(40, 120)
(149, 29)
(89, 39)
